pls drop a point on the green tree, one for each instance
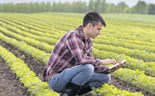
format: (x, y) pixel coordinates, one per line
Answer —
(151, 9)
(103, 6)
(91, 5)
(97, 5)
(122, 7)
(141, 7)
(111, 8)
(79, 6)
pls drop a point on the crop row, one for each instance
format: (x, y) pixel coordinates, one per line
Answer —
(25, 75)
(33, 83)
(43, 57)
(38, 22)
(140, 54)
(106, 40)
(132, 62)
(128, 29)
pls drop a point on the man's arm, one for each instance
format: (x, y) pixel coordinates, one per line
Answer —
(102, 62)
(107, 61)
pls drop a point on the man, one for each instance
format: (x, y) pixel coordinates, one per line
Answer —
(72, 63)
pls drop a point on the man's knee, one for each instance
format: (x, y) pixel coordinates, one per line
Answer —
(88, 67)
(106, 78)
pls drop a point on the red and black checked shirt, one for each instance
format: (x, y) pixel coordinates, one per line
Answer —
(71, 50)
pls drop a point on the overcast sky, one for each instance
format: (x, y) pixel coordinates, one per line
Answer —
(129, 2)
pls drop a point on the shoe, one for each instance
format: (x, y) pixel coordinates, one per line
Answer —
(84, 89)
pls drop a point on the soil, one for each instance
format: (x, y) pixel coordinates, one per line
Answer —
(9, 83)
(129, 87)
(38, 68)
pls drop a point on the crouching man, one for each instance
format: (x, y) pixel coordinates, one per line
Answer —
(72, 63)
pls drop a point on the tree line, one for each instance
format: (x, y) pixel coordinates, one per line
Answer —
(79, 7)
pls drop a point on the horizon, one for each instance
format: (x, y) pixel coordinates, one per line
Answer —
(130, 3)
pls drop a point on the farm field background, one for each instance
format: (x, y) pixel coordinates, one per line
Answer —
(26, 41)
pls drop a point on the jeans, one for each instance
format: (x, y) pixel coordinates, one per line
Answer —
(79, 75)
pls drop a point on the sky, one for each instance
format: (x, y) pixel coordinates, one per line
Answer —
(129, 2)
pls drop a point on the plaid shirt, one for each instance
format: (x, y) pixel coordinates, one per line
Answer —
(71, 50)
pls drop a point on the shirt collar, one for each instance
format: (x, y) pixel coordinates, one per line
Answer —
(81, 33)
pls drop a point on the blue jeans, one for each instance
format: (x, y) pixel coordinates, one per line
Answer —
(79, 75)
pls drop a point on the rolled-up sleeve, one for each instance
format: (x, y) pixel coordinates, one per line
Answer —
(100, 68)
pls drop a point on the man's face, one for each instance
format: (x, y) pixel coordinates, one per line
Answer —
(95, 30)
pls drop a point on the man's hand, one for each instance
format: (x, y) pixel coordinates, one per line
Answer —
(121, 63)
(108, 61)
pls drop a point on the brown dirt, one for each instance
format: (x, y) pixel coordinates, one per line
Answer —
(38, 67)
(9, 84)
(129, 87)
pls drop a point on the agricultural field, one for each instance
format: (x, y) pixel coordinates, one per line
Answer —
(26, 41)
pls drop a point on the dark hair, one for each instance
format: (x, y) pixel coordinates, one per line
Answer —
(93, 18)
